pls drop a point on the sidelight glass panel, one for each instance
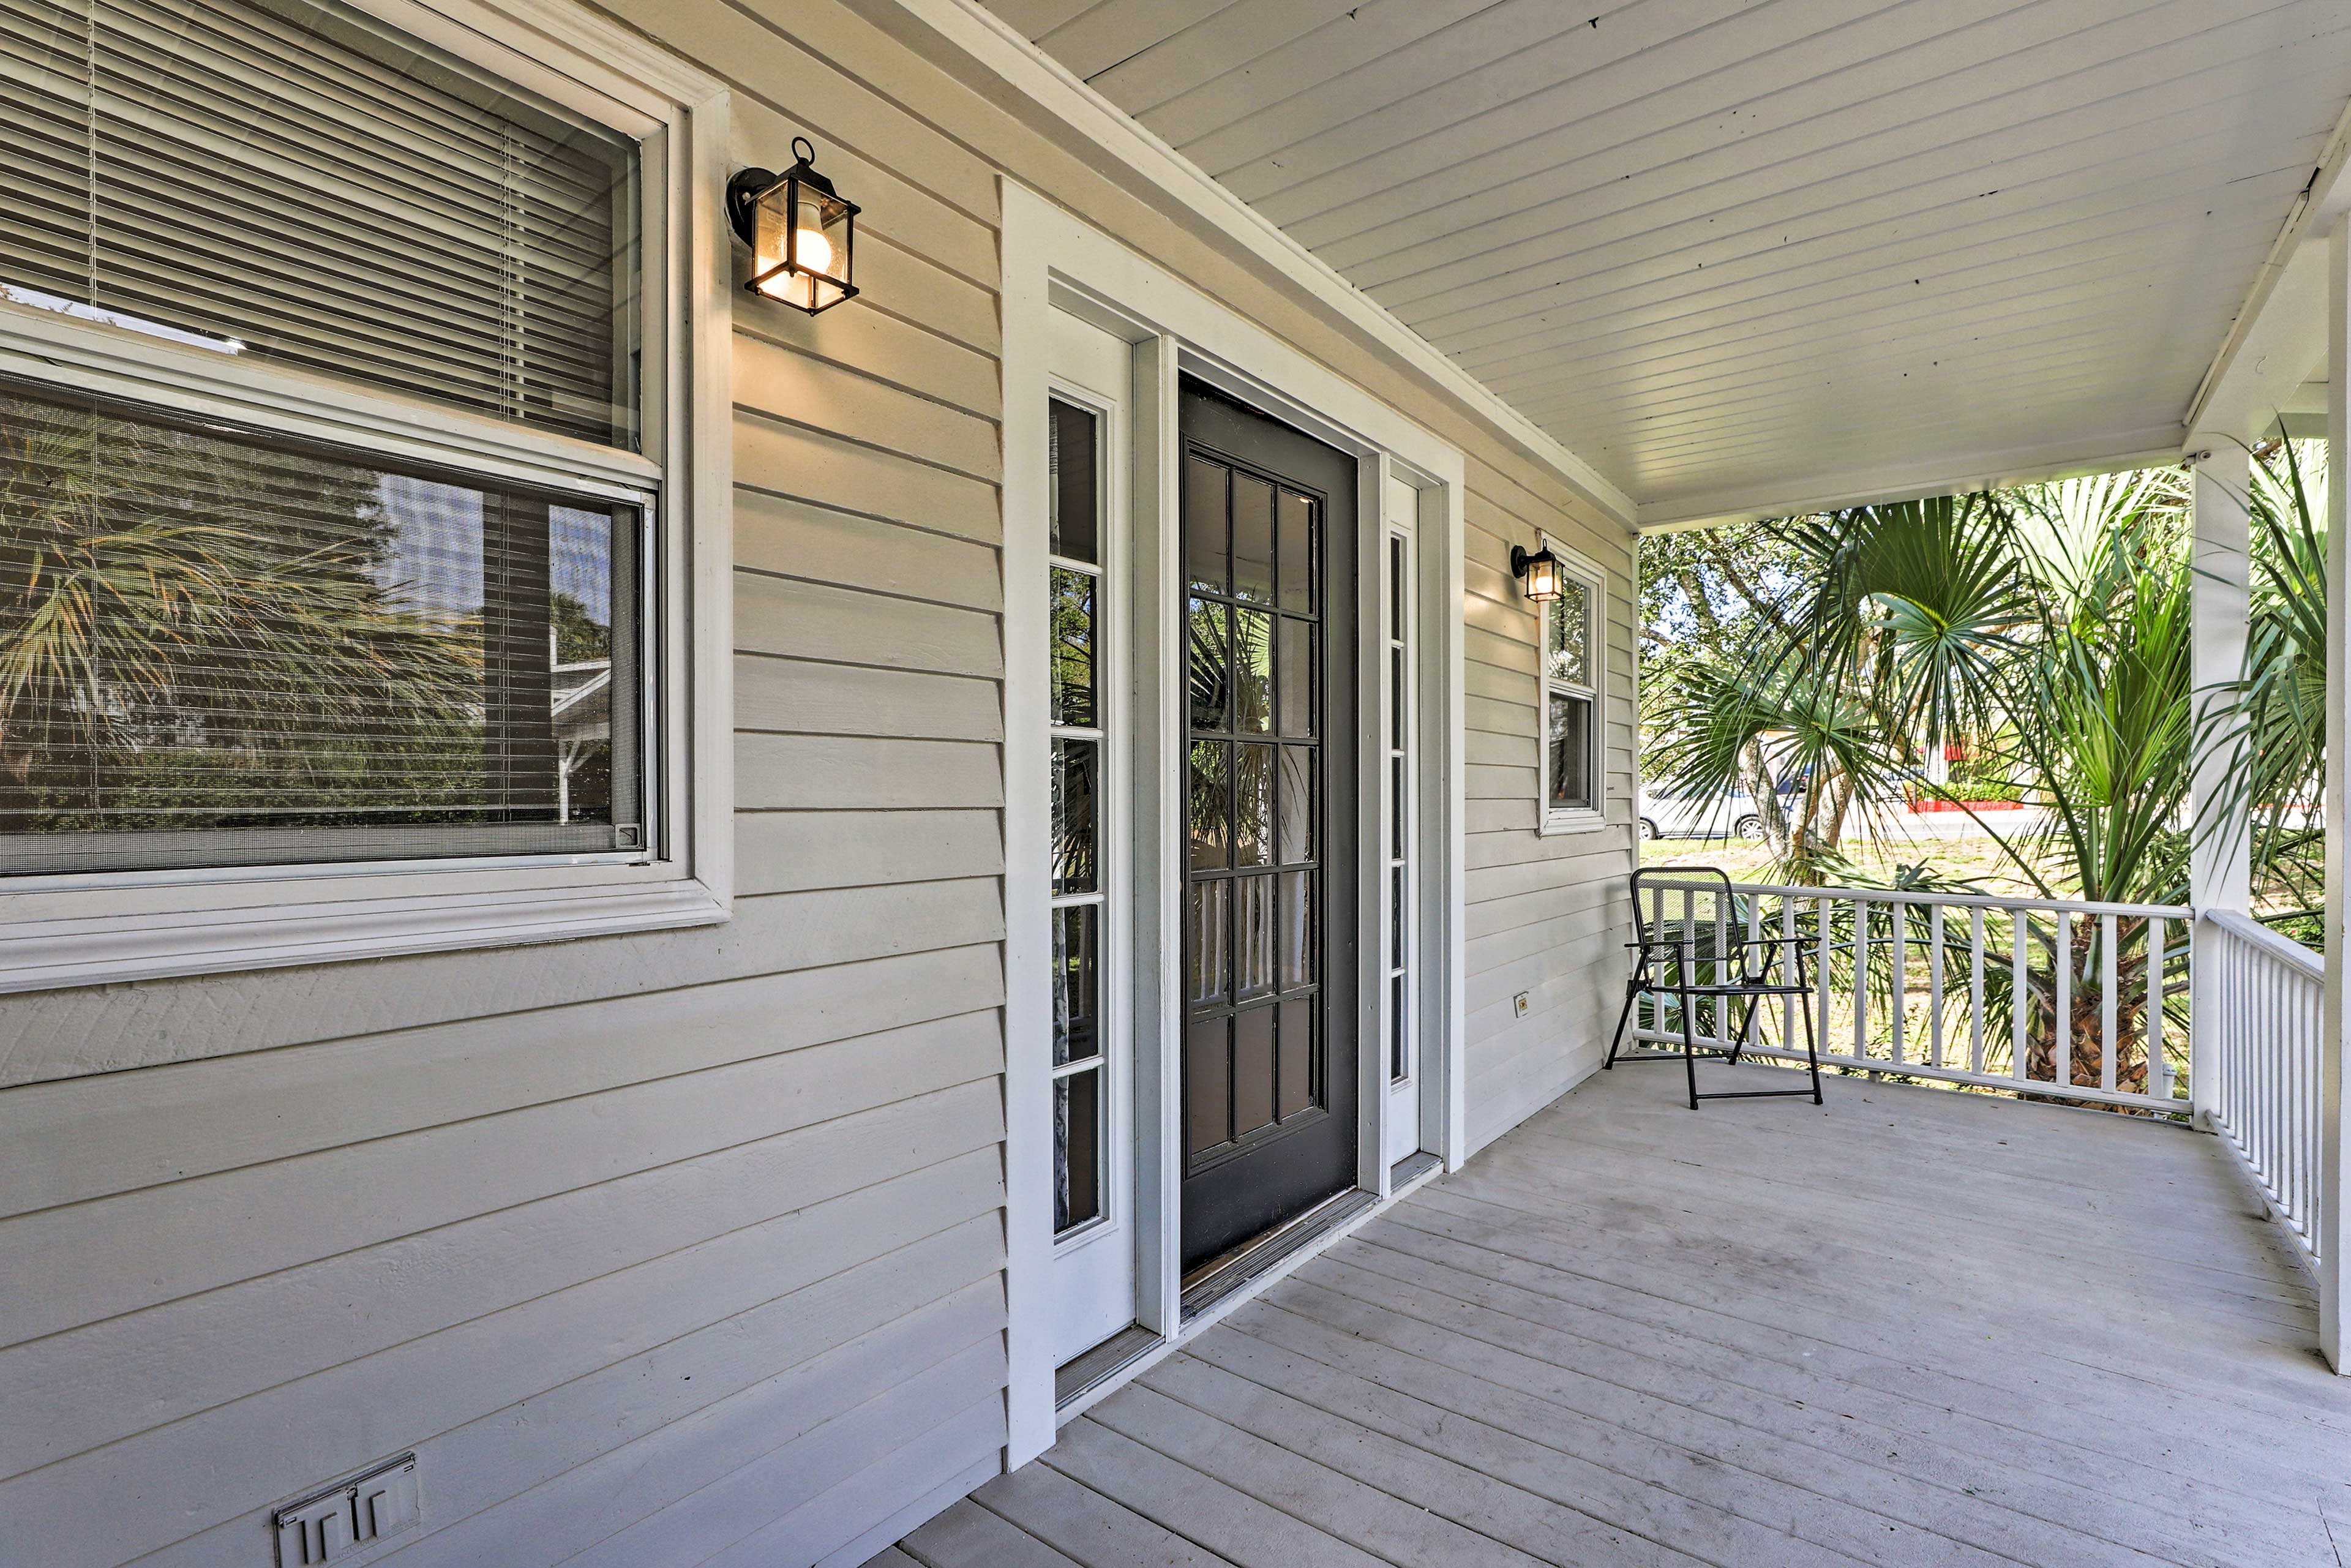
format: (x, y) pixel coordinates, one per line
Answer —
(1396, 574)
(1073, 610)
(1252, 671)
(1253, 842)
(1252, 540)
(1570, 750)
(1399, 1031)
(1207, 670)
(1075, 776)
(1294, 795)
(1208, 806)
(1299, 920)
(1398, 692)
(1300, 663)
(1077, 981)
(1253, 1069)
(1208, 1084)
(1077, 1149)
(1076, 468)
(1399, 808)
(1207, 943)
(1253, 923)
(1206, 541)
(1298, 544)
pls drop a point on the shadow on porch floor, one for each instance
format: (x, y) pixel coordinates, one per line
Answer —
(1910, 1327)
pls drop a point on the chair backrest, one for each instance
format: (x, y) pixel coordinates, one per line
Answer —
(1705, 948)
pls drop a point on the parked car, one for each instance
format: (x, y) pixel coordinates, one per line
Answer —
(1667, 813)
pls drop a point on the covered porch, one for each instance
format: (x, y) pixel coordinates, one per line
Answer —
(1908, 1327)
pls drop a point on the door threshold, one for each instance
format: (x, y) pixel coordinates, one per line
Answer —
(1082, 1373)
(1221, 1277)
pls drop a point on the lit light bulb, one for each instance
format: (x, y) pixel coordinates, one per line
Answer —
(813, 251)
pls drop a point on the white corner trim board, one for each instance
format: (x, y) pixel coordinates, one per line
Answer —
(1052, 261)
(983, 37)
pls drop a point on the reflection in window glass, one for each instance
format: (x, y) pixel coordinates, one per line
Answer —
(1571, 629)
(231, 651)
(1571, 751)
(1072, 612)
(1076, 466)
(1074, 809)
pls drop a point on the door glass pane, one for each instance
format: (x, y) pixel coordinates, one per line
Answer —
(1294, 1047)
(1401, 808)
(1298, 662)
(1253, 923)
(1570, 750)
(1395, 586)
(1252, 1070)
(1209, 805)
(1207, 1083)
(1252, 540)
(1206, 539)
(1253, 804)
(1295, 804)
(1076, 981)
(1076, 466)
(1073, 648)
(1298, 918)
(1077, 1148)
(1207, 673)
(1207, 942)
(1399, 694)
(1252, 671)
(1298, 544)
(1298, 1058)
(1073, 815)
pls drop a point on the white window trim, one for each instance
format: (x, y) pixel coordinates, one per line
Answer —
(72, 929)
(1577, 819)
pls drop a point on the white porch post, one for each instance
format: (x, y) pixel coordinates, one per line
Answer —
(2330, 1232)
(2220, 852)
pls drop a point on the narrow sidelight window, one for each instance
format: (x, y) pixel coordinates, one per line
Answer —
(1076, 647)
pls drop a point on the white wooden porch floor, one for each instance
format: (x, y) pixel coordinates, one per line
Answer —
(1911, 1327)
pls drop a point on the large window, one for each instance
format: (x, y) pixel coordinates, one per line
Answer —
(1572, 655)
(350, 480)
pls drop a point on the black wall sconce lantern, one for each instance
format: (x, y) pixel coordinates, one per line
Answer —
(1539, 572)
(802, 236)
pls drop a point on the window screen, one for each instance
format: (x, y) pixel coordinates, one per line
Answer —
(300, 183)
(218, 649)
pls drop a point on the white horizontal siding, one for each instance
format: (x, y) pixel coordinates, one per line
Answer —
(687, 1247)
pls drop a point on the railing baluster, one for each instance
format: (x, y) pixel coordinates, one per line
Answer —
(1787, 956)
(2061, 1050)
(2158, 1066)
(1975, 989)
(1861, 924)
(1934, 984)
(1823, 921)
(1897, 974)
(2109, 1047)
(2019, 992)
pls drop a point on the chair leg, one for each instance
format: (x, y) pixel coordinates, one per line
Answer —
(1632, 994)
(1746, 1031)
(1689, 1050)
(1811, 1051)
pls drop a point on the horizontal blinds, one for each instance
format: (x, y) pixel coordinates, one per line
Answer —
(219, 648)
(303, 183)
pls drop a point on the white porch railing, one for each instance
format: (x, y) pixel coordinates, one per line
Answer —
(2056, 999)
(2261, 1050)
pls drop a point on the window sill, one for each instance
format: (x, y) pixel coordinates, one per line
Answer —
(50, 953)
(1561, 824)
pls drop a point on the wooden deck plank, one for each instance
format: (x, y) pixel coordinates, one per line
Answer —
(1909, 1328)
(969, 1536)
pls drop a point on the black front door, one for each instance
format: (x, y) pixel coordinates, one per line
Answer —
(1269, 1070)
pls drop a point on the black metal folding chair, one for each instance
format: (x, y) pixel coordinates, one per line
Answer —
(1712, 957)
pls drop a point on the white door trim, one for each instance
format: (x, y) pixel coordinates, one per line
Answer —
(1051, 258)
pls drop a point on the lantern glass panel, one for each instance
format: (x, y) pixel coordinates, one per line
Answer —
(801, 245)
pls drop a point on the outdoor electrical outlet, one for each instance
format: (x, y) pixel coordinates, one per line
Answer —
(1521, 1003)
(349, 1517)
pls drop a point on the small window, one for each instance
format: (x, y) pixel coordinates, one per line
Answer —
(1572, 657)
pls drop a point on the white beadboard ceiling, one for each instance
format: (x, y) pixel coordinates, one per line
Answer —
(1740, 253)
